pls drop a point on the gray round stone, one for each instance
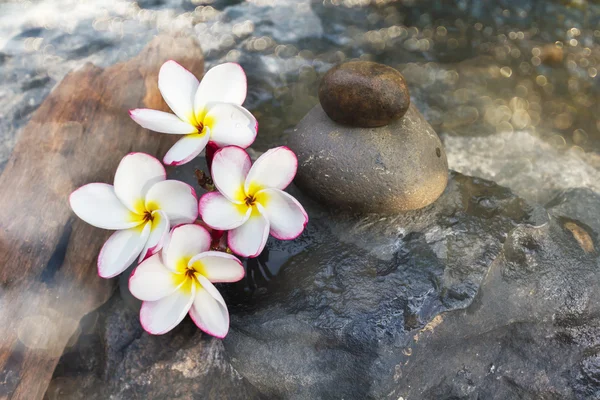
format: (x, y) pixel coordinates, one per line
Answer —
(398, 167)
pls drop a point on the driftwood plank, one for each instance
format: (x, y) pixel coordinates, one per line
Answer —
(48, 277)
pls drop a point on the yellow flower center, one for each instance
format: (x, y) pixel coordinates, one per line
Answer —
(201, 121)
(250, 200)
(188, 274)
(143, 214)
(148, 216)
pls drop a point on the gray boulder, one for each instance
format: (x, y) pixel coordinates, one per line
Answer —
(113, 358)
(398, 167)
(345, 315)
(479, 295)
(532, 331)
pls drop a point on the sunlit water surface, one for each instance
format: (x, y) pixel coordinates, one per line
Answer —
(474, 68)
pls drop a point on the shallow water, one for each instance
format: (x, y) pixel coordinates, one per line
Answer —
(474, 68)
(520, 75)
(511, 86)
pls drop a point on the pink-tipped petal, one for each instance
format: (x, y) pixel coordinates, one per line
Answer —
(136, 174)
(209, 311)
(98, 205)
(178, 87)
(185, 241)
(152, 281)
(218, 266)
(187, 148)
(286, 215)
(250, 239)
(160, 316)
(225, 83)
(160, 121)
(274, 169)
(219, 213)
(229, 169)
(121, 249)
(176, 199)
(231, 125)
(159, 230)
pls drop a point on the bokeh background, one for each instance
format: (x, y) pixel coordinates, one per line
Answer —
(474, 68)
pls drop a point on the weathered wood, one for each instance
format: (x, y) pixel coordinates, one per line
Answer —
(48, 277)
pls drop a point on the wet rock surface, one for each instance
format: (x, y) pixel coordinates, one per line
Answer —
(114, 358)
(398, 167)
(478, 296)
(364, 94)
(531, 332)
(342, 313)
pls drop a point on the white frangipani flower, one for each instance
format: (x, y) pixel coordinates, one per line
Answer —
(250, 201)
(206, 111)
(141, 206)
(179, 280)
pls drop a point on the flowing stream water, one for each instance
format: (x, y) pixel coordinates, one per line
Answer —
(510, 86)
(474, 68)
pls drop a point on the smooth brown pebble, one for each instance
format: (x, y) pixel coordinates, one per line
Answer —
(551, 54)
(364, 94)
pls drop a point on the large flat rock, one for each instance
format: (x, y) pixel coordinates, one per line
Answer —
(340, 317)
(480, 295)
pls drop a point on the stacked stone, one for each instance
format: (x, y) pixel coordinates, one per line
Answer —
(365, 147)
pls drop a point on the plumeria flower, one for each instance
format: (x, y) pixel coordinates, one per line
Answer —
(250, 201)
(141, 206)
(207, 111)
(180, 280)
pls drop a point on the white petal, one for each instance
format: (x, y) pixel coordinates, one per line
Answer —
(211, 289)
(286, 215)
(218, 266)
(98, 205)
(185, 241)
(219, 213)
(160, 316)
(177, 199)
(209, 311)
(152, 281)
(159, 230)
(274, 169)
(178, 87)
(225, 83)
(229, 169)
(231, 125)
(250, 239)
(121, 249)
(187, 148)
(160, 121)
(136, 174)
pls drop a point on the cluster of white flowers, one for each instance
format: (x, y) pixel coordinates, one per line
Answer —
(156, 219)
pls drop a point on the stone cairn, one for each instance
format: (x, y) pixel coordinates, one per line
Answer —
(365, 147)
